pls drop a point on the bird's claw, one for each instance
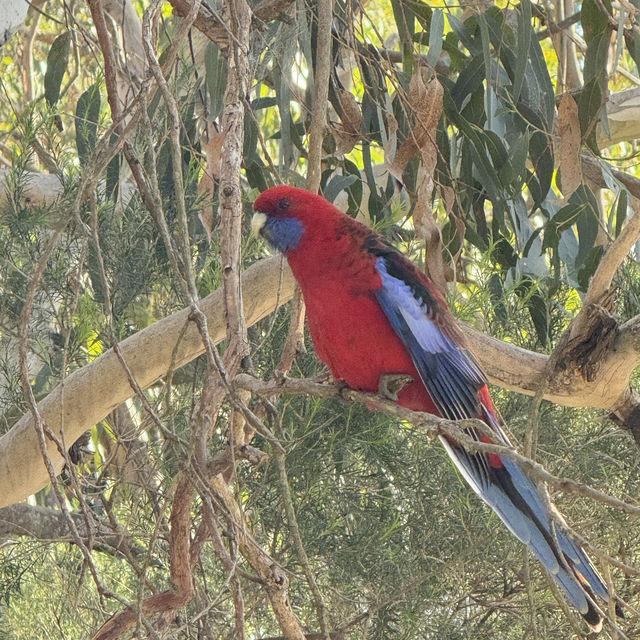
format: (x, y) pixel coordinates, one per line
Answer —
(391, 384)
(342, 387)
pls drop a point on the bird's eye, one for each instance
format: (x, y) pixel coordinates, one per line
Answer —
(283, 203)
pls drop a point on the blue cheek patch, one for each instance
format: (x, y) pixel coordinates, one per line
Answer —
(283, 233)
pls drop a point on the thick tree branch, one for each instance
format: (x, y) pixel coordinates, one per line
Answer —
(91, 393)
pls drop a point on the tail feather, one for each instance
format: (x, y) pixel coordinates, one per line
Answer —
(522, 507)
(573, 554)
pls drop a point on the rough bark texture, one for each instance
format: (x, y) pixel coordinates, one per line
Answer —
(238, 23)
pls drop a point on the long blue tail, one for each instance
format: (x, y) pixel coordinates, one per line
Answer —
(457, 388)
(521, 506)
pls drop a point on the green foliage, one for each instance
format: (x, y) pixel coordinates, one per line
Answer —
(133, 260)
(57, 62)
(87, 118)
(398, 544)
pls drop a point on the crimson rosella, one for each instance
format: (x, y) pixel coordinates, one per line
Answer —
(373, 316)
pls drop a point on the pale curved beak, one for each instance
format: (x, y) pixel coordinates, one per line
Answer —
(257, 222)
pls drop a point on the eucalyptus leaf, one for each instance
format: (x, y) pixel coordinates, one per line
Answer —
(469, 81)
(513, 173)
(112, 181)
(355, 190)
(538, 311)
(589, 105)
(87, 117)
(596, 57)
(621, 207)
(57, 63)
(541, 154)
(466, 33)
(587, 223)
(436, 30)
(336, 185)
(525, 37)
(496, 290)
(589, 265)
(216, 69)
(594, 17)
(632, 40)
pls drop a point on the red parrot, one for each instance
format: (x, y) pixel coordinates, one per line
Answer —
(373, 316)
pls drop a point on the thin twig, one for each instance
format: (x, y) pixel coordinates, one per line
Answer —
(182, 587)
(276, 582)
(298, 544)
(42, 430)
(530, 595)
(176, 151)
(433, 426)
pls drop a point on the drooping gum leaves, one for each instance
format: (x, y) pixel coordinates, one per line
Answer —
(426, 99)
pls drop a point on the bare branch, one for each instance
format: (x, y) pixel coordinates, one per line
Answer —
(301, 552)
(238, 16)
(275, 580)
(182, 589)
(322, 74)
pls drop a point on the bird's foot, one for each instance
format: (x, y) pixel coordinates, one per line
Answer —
(342, 388)
(391, 384)
(324, 378)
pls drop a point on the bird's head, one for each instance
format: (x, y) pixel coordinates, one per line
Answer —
(283, 215)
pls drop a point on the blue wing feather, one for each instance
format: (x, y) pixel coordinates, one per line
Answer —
(450, 373)
(453, 379)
